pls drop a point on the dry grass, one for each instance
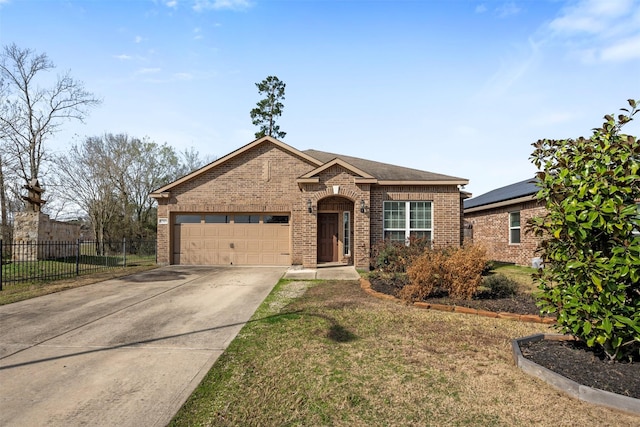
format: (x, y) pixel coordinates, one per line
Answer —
(336, 356)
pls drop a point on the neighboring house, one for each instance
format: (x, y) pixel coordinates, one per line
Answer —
(498, 219)
(268, 203)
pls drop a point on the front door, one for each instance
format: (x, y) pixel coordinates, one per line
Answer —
(327, 237)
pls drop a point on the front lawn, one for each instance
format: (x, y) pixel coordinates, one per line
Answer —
(337, 356)
(522, 275)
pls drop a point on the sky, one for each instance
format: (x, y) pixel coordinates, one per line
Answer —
(457, 87)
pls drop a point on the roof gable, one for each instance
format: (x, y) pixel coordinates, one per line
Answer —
(361, 176)
(267, 139)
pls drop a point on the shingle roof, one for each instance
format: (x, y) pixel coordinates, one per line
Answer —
(383, 171)
(527, 187)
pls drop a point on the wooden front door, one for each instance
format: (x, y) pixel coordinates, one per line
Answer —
(327, 237)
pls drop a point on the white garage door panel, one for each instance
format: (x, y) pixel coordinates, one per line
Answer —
(238, 244)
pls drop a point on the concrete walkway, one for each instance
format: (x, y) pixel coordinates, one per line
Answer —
(124, 352)
(347, 272)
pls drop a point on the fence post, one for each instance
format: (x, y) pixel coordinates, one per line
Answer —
(77, 257)
(124, 252)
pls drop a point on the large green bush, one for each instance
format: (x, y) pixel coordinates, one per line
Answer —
(591, 245)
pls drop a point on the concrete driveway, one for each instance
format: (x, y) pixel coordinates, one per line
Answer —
(124, 352)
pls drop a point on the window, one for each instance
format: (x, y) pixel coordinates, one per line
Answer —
(187, 219)
(275, 219)
(216, 219)
(514, 228)
(246, 219)
(403, 220)
(346, 220)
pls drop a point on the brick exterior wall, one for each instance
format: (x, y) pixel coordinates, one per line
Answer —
(263, 180)
(491, 229)
(445, 200)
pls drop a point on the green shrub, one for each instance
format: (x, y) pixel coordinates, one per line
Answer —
(500, 286)
(590, 246)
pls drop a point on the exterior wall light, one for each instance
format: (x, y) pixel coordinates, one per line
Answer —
(309, 207)
(363, 208)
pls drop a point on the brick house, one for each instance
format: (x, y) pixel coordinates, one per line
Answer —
(268, 203)
(498, 220)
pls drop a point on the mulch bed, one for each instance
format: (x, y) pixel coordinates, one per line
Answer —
(519, 303)
(571, 359)
(574, 360)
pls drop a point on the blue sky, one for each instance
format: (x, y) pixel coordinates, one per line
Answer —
(460, 87)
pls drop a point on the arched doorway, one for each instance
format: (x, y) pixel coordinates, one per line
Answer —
(335, 230)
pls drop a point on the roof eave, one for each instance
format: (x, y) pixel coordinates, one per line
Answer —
(160, 195)
(501, 203)
(425, 182)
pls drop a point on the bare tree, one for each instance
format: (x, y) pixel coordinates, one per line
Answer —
(110, 177)
(81, 179)
(192, 160)
(31, 114)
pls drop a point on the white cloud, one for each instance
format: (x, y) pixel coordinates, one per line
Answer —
(591, 16)
(507, 9)
(511, 71)
(122, 57)
(481, 8)
(200, 5)
(183, 76)
(138, 39)
(171, 3)
(553, 118)
(598, 30)
(148, 71)
(197, 34)
(623, 50)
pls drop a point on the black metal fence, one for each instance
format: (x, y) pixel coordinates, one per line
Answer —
(30, 262)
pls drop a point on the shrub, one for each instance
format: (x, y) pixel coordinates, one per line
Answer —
(456, 270)
(500, 286)
(463, 271)
(425, 274)
(394, 257)
(590, 246)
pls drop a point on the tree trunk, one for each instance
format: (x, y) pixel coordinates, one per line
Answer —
(5, 233)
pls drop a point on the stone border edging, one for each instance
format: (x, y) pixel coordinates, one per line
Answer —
(530, 318)
(582, 392)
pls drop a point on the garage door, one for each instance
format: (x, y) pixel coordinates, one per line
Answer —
(231, 239)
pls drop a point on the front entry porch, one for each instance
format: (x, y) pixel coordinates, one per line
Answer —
(335, 231)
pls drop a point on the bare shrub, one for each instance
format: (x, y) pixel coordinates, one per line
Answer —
(394, 257)
(462, 270)
(455, 270)
(426, 273)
